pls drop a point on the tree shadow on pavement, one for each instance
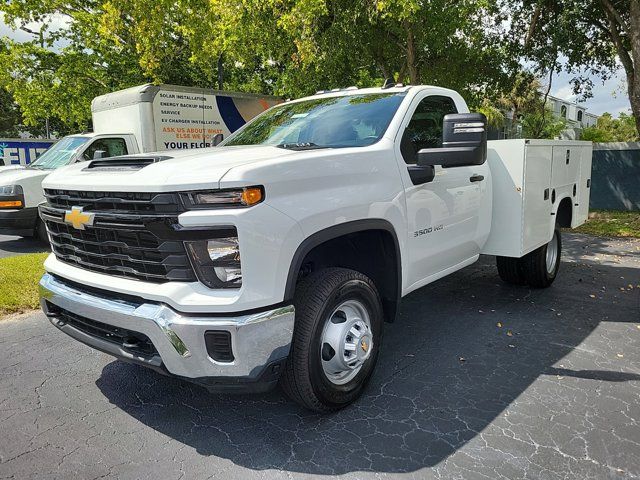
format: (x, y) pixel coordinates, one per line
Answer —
(595, 250)
(462, 350)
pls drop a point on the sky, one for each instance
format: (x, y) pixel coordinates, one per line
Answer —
(609, 96)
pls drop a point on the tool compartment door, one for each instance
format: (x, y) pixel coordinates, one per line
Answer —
(536, 223)
(581, 212)
(566, 165)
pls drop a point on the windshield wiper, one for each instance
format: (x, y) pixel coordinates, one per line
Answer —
(300, 146)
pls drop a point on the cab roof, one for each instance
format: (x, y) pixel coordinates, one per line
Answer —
(343, 92)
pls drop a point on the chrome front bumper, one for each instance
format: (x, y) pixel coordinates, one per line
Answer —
(258, 340)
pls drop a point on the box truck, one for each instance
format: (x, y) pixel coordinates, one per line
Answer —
(283, 254)
(146, 118)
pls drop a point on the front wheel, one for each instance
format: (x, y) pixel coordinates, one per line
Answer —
(541, 266)
(41, 232)
(336, 339)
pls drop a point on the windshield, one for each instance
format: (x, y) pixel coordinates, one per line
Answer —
(348, 121)
(60, 154)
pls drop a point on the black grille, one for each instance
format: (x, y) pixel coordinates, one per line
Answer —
(134, 342)
(132, 235)
(121, 203)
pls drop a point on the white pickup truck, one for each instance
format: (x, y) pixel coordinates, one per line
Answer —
(146, 118)
(279, 255)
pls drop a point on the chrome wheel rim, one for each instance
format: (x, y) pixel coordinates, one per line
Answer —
(347, 342)
(552, 253)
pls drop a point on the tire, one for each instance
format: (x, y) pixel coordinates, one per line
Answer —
(539, 270)
(41, 232)
(511, 270)
(325, 305)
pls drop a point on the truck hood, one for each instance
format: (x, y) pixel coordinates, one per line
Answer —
(20, 176)
(183, 170)
(6, 168)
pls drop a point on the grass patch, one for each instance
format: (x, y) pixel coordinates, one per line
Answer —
(605, 223)
(19, 278)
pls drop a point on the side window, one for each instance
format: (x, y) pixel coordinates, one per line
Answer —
(425, 127)
(111, 146)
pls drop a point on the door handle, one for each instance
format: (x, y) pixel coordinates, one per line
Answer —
(476, 178)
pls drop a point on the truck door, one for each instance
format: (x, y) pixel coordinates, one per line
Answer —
(444, 214)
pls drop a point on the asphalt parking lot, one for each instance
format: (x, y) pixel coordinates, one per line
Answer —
(476, 380)
(10, 246)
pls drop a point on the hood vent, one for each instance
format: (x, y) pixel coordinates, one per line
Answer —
(124, 164)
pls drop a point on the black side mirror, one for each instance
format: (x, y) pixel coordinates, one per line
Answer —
(217, 139)
(98, 154)
(464, 142)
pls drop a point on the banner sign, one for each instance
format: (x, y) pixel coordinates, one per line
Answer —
(22, 151)
(190, 120)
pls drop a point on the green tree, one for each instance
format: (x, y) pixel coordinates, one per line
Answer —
(609, 129)
(96, 50)
(542, 123)
(296, 47)
(495, 116)
(523, 97)
(10, 117)
(580, 35)
(526, 105)
(285, 47)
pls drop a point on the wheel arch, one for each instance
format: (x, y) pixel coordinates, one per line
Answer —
(564, 212)
(372, 236)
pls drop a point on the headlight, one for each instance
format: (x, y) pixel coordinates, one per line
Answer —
(9, 190)
(234, 197)
(217, 262)
(11, 196)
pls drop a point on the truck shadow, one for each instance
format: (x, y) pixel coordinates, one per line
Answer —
(463, 350)
(13, 245)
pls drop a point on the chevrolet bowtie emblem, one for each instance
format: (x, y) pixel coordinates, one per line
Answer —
(364, 346)
(78, 219)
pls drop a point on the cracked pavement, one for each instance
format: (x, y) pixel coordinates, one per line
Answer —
(476, 379)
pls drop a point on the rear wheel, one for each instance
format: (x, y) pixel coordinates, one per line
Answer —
(511, 270)
(336, 339)
(541, 266)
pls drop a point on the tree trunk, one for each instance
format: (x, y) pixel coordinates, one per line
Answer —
(630, 59)
(633, 75)
(412, 61)
(543, 107)
(380, 62)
